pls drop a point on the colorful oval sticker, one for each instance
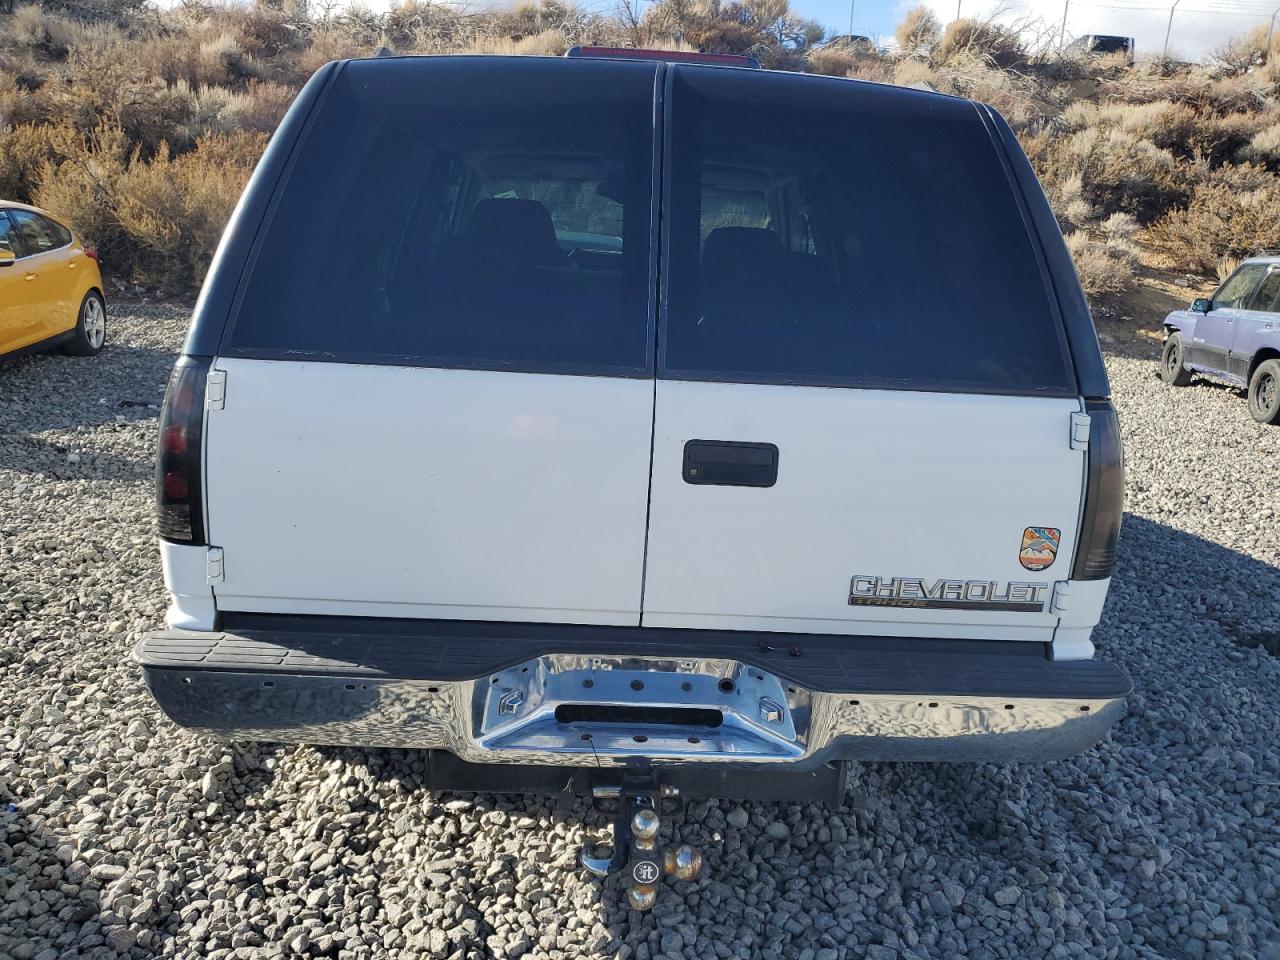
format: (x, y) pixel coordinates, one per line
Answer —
(1039, 547)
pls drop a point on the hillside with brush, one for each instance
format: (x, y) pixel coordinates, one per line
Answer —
(140, 126)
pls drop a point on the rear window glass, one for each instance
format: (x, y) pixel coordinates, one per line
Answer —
(1268, 296)
(472, 213)
(838, 233)
(39, 234)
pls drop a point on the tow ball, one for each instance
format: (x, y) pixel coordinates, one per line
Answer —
(635, 847)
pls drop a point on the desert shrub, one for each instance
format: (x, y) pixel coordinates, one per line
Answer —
(263, 32)
(1119, 228)
(576, 24)
(1118, 172)
(18, 104)
(326, 45)
(1221, 221)
(1241, 54)
(1168, 125)
(918, 31)
(79, 181)
(873, 69)
(222, 59)
(548, 43)
(1242, 177)
(833, 61)
(120, 11)
(915, 73)
(1219, 139)
(1078, 115)
(1242, 94)
(261, 107)
(172, 210)
(416, 26)
(155, 221)
(766, 29)
(1069, 203)
(1013, 95)
(1206, 135)
(1263, 147)
(24, 150)
(966, 39)
(1105, 267)
(32, 28)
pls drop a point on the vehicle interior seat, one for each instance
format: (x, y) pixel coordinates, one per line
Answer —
(506, 285)
(511, 233)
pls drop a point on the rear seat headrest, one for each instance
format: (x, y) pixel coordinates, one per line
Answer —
(735, 249)
(517, 231)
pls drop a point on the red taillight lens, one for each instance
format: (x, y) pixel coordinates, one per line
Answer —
(1104, 495)
(176, 486)
(92, 254)
(180, 512)
(173, 438)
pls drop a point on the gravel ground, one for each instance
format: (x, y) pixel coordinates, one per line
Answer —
(125, 836)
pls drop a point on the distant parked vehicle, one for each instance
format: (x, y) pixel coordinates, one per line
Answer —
(1232, 336)
(1102, 45)
(855, 43)
(50, 286)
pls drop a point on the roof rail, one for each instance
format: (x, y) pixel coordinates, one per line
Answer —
(670, 56)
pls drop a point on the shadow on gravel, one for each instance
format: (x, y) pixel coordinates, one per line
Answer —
(58, 392)
(1183, 579)
(60, 461)
(33, 875)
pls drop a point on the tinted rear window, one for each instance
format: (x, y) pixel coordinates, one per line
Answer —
(465, 212)
(840, 233)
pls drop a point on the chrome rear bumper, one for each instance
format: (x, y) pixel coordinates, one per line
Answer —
(583, 708)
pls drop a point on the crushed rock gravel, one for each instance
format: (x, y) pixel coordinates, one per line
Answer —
(121, 835)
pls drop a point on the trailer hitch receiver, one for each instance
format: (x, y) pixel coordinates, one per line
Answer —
(635, 850)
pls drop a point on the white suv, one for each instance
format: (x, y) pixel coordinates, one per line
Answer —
(622, 414)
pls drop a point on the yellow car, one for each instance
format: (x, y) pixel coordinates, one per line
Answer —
(50, 286)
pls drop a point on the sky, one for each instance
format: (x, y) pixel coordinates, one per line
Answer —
(1199, 26)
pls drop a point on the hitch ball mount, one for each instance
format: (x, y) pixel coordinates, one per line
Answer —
(635, 847)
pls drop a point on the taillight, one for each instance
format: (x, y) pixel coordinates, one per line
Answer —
(92, 254)
(1104, 495)
(180, 513)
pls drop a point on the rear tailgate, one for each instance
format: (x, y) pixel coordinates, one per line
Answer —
(893, 513)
